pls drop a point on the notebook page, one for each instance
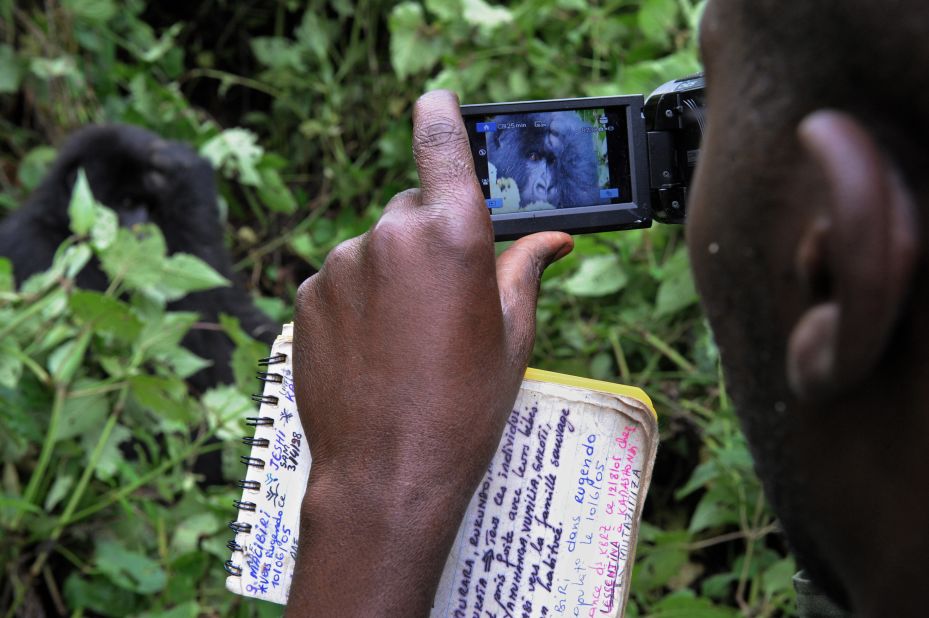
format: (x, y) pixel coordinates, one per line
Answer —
(269, 546)
(551, 530)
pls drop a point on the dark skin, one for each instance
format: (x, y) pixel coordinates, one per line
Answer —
(807, 255)
(410, 345)
(806, 243)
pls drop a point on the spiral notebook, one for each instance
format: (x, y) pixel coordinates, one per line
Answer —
(550, 530)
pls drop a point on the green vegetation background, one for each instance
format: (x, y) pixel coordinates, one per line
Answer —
(305, 110)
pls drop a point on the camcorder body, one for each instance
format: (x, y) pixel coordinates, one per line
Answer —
(588, 165)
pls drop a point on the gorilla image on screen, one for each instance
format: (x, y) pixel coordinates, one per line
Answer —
(144, 179)
(544, 160)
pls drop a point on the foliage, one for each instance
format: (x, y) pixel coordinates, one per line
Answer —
(315, 100)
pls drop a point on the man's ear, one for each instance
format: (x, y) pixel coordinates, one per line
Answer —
(857, 258)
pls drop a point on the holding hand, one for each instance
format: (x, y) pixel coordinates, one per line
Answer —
(410, 345)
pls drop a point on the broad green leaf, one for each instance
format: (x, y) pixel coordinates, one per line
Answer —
(106, 226)
(35, 164)
(190, 531)
(486, 16)
(685, 605)
(312, 35)
(7, 284)
(190, 609)
(82, 208)
(412, 50)
(163, 397)
(657, 18)
(111, 457)
(10, 73)
(129, 569)
(80, 415)
(236, 153)
(275, 194)
(60, 488)
(185, 273)
(165, 44)
(446, 10)
(162, 335)
(185, 363)
(717, 508)
(598, 276)
(60, 67)
(659, 564)
(245, 353)
(92, 10)
(18, 504)
(64, 362)
(99, 595)
(779, 577)
(677, 291)
(106, 314)
(227, 409)
(11, 365)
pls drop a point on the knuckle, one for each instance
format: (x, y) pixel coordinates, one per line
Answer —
(342, 255)
(307, 294)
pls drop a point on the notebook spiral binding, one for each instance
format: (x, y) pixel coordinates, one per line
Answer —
(254, 421)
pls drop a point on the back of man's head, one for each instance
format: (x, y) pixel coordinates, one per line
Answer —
(805, 235)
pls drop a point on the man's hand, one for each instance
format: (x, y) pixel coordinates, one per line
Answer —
(409, 349)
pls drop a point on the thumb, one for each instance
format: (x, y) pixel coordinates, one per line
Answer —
(519, 273)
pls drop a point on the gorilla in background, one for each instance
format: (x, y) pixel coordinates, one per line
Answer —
(145, 179)
(557, 165)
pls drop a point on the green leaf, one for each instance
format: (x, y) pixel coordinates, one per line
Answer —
(82, 209)
(190, 531)
(106, 314)
(66, 360)
(227, 409)
(684, 604)
(35, 164)
(128, 569)
(60, 488)
(275, 194)
(92, 10)
(446, 10)
(80, 415)
(7, 284)
(165, 44)
(486, 16)
(190, 609)
(717, 508)
(111, 457)
(18, 504)
(10, 73)
(164, 397)
(657, 18)
(236, 153)
(677, 291)
(779, 577)
(598, 276)
(11, 364)
(412, 50)
(185, 363)
(141, 263)
(106, 226)
(185, 273)
(162, 335)
(98, 595)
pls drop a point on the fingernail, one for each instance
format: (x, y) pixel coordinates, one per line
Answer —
(565, 250)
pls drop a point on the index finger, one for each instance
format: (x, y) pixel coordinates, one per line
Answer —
(442, 152)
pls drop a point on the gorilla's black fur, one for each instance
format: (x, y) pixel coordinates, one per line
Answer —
(556, 164)
(144, 178)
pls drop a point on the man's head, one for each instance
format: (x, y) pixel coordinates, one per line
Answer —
(806, 235)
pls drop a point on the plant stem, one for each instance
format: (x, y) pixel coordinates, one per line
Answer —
(48, 447)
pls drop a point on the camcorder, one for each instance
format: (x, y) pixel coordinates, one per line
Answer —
(588, 165)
